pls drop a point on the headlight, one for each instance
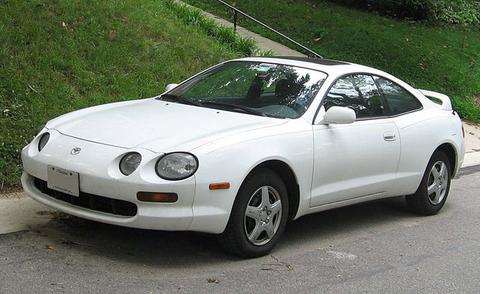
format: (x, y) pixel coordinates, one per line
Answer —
(130, 162)
(176, 166)
(43, 141)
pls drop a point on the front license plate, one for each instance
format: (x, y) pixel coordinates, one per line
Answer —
(63, 180)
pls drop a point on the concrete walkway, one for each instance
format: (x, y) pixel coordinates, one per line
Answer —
(263, 43)
(472, 144)
(20, 213)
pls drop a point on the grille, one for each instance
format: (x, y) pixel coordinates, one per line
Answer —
(90, 201)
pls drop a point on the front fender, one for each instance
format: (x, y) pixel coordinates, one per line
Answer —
(232, 159)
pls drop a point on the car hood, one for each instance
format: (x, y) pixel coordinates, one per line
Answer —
(156, 125)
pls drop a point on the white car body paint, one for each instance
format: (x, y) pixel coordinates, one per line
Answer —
(334, 165)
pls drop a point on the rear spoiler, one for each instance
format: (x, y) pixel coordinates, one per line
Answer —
(444, 99)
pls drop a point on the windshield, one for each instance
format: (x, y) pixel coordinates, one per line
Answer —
(256, 88)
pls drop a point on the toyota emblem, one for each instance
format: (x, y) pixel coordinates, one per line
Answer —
(75, 150)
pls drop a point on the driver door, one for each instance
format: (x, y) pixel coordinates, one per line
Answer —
(359, 159)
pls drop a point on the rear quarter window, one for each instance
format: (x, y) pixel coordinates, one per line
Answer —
(398, 99)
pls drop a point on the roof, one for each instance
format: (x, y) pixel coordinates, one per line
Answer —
(328, 66)
(321, 61)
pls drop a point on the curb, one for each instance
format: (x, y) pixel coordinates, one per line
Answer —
(468, 170)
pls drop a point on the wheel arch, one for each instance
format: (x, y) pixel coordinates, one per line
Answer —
(288, 176)
(451, 152)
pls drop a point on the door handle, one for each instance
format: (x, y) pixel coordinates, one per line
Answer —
(389, 136)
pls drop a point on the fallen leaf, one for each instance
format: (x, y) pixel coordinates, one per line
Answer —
(112, 35)
(49, 247)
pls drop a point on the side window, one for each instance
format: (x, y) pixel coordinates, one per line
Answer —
(398, 99)
(358, 92)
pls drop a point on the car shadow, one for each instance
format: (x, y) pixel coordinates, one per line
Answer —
(188, 249)
(368, 216)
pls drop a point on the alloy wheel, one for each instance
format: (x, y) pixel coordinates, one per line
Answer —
(263, 215)
(437, 183)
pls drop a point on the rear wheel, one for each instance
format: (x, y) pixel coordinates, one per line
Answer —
(434, 188)
(258, 216)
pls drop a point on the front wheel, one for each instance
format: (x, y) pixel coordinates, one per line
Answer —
(434, 188)
(258, 216)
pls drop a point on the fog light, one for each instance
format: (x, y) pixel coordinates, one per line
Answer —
(157, 197)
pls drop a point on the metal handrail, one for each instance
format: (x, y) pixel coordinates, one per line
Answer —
(237, 11)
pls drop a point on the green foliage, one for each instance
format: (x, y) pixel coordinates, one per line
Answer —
(437, 11)
(444, 59)
(58, 56)
(467, 109)
(457, 12)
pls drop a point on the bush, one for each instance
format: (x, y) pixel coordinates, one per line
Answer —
(438, 11)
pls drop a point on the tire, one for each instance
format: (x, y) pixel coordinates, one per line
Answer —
(256, 233)
(424, 202)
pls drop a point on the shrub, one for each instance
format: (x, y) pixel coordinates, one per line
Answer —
(437, 11)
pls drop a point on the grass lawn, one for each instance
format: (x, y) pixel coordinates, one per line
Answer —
(58, 56)
(443, 59)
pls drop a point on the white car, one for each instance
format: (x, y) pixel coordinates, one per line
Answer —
(244, 147)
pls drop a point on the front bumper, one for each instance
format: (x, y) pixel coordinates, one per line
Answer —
(97, 165)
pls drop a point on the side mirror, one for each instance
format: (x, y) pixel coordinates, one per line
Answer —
(170, 86)
(339, 115)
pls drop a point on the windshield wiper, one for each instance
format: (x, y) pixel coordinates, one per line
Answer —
(179, 99)
(234, 107)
